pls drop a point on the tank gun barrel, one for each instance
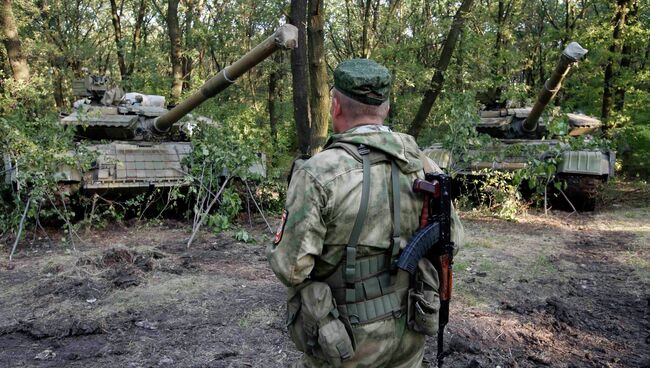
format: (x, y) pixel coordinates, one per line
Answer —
(571, 55)
(285, 37)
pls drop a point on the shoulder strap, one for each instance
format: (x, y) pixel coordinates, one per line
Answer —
(351, 249)
(395, 241)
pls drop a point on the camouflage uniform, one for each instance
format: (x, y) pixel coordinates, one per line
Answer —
(322, 205)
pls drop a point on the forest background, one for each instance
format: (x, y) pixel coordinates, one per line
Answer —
(448, 58)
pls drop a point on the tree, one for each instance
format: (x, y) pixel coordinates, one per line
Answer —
(173, 30)
(11, 40)
(626, 58)
(437, 81)
(319, 96)
(187, 61)
(614, 50)
(299, 73)
(116, 15)
(137, 34)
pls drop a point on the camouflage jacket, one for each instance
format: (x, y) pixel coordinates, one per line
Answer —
(323, 200)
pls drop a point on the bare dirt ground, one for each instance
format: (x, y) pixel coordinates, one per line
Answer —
(559, 290)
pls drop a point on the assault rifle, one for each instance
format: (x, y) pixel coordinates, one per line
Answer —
(433, 241)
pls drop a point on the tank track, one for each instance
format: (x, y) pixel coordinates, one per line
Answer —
(582, 190)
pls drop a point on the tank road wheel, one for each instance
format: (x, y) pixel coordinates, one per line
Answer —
(582, 190)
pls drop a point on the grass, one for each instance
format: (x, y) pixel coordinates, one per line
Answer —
(486, 265)
(478, 243)
(631, 193)
(157, 294)
(467, 297)
(541, 265)
(258, 316)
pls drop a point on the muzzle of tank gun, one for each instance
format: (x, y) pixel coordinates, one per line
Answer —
(571, 55)
(285, 37)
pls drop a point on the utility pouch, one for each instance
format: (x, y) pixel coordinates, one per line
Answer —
(314, 324)
(423, 300)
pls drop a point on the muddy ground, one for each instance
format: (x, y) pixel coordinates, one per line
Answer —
(563, 290)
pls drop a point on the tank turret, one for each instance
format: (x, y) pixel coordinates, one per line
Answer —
(147, 142)
(525, 122)
(110, 114)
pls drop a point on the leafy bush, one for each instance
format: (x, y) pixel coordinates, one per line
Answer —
(495, 191)
(633, 146)
(218, 222)
(38, 155)
(244, 236)
(230, 205)
(220, 154)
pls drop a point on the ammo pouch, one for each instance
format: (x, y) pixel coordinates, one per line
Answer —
(423, 300)
(314, 324)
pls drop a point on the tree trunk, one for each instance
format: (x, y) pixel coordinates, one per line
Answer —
(11, 40)
(626, 59)
(137, 34)
(614, 50)
(59, 98)
(119, 43)
(319, 97)
(187, 60)
(300, 77)
(365, 29)
(175, 50)
(274, 78)
(498, 68)
(432, 93)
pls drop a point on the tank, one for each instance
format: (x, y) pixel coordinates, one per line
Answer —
(139, 143)
(582, 170)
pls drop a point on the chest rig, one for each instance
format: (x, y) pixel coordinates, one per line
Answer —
(365, 288)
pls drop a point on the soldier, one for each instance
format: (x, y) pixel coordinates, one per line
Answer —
(335, 246)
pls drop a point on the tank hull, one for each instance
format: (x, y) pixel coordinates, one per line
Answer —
(123, 167)
(583, 171)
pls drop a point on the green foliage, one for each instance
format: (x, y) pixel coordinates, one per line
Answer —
(230, 205)
(272, 194)
(634, 149)
(496, 192)
(218, 222)
(38, 156)
(222, 151)
(229, 208)
(558, 126)
(244, 236)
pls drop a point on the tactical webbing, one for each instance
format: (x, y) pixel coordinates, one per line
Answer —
(373, 309)
(364, 288)
(366, 267)
(351, 249)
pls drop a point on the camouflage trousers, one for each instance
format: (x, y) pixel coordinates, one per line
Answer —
(388, 343)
